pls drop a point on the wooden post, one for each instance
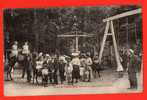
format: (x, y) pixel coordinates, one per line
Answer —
(109, 22)
(77, 44)
(127, 33)
(119, 65)
(125, 14)
(110, 25)
(103, 41)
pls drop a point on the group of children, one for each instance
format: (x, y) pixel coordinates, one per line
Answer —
(65, 68)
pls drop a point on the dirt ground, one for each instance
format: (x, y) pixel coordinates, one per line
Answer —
(108, 83)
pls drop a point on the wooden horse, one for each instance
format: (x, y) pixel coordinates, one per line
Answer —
(11, 63)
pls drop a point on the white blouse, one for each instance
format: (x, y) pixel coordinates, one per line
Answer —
(14, 50)
(25, 49)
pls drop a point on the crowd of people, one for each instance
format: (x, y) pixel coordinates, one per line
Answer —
(73, 68)
(69, 68)
(56, 69)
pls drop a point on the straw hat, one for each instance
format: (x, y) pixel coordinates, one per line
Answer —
(40, 54)
(47, 55)
(75, 54)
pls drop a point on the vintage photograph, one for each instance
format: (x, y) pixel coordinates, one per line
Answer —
(73, 50)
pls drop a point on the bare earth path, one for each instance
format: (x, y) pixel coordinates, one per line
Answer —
(108, 83)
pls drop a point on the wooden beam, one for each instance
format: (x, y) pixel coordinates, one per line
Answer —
(66, 35)
(90, 35)
(79, 32)
(129, 13)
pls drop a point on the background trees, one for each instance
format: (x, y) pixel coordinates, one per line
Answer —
(41, 26)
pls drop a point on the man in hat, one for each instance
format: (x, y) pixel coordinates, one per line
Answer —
(89, 65)
(62, 70)
(76, 64)
(25, 52)
(25, 49)
(56, 67)
(96, 66)
(131, 68)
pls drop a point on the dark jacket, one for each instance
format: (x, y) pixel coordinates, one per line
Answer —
(61, 67)
(133, 66)
(56, 65)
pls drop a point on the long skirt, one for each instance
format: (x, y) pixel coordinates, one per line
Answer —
(76, 72)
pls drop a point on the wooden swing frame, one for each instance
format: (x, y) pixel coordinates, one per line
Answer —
(109, 25)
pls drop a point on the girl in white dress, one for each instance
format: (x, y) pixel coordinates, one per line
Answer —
(68, 72)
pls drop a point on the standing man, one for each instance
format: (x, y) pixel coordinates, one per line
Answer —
(62, 70)
(82, 67)
(56, 67)
(51, 69)
(25, 49)
(96, 68)
(89, 66)
(68, 70)
(25, 52)
(76, 67)
(132, 69)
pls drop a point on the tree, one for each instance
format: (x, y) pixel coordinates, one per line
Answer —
(41, 26)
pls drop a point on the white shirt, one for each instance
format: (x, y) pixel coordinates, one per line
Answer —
(63, 59)
(25, 49)
(14, 50)
(39, 64)
(83, 62)
(68, 68)
(76, 61)
(89, 61)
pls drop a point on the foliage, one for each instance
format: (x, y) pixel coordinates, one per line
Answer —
(41, 26)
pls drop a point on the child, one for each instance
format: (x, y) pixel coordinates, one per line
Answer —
(82, 73)
(45, 74)
(68, 71)
(82, 67)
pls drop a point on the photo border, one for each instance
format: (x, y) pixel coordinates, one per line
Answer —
(5, 4)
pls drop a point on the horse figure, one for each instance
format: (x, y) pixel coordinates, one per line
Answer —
(22, 60)
(11, 63)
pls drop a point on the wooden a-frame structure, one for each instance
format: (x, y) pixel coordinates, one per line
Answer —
(109, 25)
